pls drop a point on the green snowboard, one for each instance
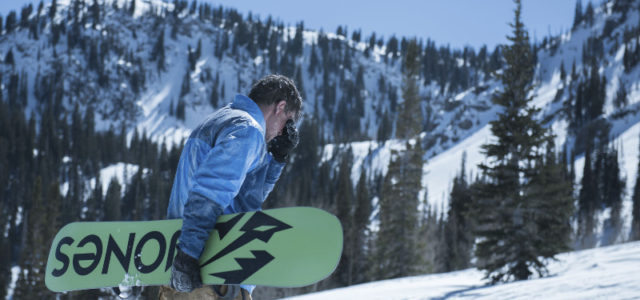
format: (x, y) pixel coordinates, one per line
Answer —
(286, 247)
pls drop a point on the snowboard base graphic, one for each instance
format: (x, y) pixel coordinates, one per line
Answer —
(285, 247)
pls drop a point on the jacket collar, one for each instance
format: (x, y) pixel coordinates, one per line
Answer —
(245, 103)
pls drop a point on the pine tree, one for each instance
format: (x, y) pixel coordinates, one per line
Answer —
(589, 14)
(457, 228)
(384, 130)
(297, 43)
(313, 60)
(587, 204)
(621, 96)
(134, 200)
(181, 109)
(398, 251)
(95, 13)
(186, 83)
(41, 227)
(8, 59)
(612, 189)
(52, 9)
(577, 17)
(132, 7)
(344, 202)
(362, 212)
(5, 264)
(10, 22)
(432, 238)
(551, 192)
(214, 97)
(157, 53)
(634, 234)
(112, 201)
(392, 47)
(512, 208)
(409, 122)
(198, 52)
(398, 254)
(93, 57)
(5, 248)
(95, 203)
(299, 82)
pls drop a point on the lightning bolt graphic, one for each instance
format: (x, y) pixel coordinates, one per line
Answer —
(248, 266)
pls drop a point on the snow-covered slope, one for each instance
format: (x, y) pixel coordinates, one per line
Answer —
(550, 94)
(602, 273)
(457, 122)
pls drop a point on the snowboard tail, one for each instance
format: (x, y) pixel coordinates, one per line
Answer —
(286, 247)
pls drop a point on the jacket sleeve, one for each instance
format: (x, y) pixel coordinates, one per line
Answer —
(217, 181)
(274, 169)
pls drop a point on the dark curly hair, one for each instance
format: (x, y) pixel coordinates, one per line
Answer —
(275, 88)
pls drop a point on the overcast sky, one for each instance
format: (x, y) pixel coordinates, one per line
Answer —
(455, 22)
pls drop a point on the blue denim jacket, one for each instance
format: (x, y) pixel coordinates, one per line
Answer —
(224, 168)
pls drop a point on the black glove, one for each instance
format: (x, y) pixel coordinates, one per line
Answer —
(185, 273)
(281, 145)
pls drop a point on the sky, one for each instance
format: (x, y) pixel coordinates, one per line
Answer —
(457, 23)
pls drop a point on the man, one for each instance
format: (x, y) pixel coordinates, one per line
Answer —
(229, 164)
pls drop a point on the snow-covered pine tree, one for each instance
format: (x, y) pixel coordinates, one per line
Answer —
(398, 251)
(512, 208)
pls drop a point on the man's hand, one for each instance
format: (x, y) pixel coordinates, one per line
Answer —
(185, 273)
(281, 145)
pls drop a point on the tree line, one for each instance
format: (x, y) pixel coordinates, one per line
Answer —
(49, 168)
(53, 157)
(85, 28)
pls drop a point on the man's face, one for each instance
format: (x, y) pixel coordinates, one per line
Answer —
(276, 123)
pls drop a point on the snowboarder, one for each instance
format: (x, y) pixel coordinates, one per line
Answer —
(229, 164)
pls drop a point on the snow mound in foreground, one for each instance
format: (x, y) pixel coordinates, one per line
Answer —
(602, 273)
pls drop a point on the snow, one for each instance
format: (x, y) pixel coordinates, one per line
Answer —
(443, 159)
(121, 172)
(125, 286)
(18, 216)
(438, 172)
(628, 144)
(15, 272)
(602, 273)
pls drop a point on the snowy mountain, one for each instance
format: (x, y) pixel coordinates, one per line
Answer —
(154, 70)
(107, 57)
(160, 68)
(603, 273)
(551, 94)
